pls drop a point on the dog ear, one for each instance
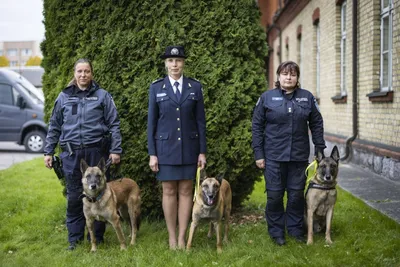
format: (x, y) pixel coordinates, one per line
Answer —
(320, 155)
(84, 166)
(102, 164)
(220, 177)
(335, 154)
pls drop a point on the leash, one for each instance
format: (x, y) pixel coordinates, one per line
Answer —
(311, 171)
(197, 185)
(114, 173)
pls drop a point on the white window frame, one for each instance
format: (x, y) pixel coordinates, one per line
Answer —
(318, 63)
(11, 51)
(386, 13)
(343, 87)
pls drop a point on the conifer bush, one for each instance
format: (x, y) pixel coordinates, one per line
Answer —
(226, 48)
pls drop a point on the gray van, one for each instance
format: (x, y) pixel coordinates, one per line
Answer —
(21, 112)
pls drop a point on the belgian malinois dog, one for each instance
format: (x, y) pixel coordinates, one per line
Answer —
(107, 201)
(213, 201)
(321, 196)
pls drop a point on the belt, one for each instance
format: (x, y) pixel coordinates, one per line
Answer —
(64, 147)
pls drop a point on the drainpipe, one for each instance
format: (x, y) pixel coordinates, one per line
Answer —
(350, 140)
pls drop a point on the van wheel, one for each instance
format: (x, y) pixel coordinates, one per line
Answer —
(35, 141)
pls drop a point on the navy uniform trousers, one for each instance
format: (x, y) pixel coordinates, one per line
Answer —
(281, 176)
(75, 218)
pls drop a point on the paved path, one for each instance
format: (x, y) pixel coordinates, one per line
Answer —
(11, 153)
(378, 192)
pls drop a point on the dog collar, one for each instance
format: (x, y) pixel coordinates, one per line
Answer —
(321, 186)
(94, 199)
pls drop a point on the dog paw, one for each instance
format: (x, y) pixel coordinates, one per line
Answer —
(328, 241)
(309, 242)
(123, 247)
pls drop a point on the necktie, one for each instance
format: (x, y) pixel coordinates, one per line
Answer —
(177, 92)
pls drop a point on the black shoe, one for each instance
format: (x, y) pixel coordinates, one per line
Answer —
(280, 241)
(299, 238)
(72, 246)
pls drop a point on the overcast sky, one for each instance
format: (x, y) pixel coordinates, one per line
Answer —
(21, 20)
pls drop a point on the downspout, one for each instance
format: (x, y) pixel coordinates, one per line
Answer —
(350, 140)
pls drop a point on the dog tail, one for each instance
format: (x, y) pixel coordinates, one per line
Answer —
(138, 221)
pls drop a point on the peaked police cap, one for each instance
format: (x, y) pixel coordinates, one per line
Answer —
(174, 51)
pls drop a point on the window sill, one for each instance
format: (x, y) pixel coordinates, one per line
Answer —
(339, 99)
(380, 96)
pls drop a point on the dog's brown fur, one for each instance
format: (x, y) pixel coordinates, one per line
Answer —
(213, 201)
(320, 202)
(105, 201)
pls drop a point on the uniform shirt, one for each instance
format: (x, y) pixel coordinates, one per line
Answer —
(280, 125)
(172, 81)
(176, 131)
(83, 118)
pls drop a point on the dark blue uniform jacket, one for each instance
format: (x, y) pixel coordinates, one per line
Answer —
(280, 126)
(176, 131)
(83, 121)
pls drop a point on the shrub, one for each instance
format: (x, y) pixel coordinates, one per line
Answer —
(226, 49)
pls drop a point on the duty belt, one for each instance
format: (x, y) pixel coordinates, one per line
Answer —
(64, 147)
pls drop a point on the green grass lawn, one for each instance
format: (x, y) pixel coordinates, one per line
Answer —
(33, 233)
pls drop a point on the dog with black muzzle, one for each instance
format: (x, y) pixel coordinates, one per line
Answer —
(107, 201)
(213, 201)
(321, 196)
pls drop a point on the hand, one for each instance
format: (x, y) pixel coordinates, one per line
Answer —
(115, 158)
(48, 161)
(260, 163)
(201, 161)
(153, 163)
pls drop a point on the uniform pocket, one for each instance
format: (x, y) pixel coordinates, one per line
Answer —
(160, 142)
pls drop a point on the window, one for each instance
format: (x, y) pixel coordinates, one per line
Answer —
(8, 96)
(26, 52)
(12, 52)
(13, 63)
(1, 52)
(317, 65)
(343, 89)
(386, 44)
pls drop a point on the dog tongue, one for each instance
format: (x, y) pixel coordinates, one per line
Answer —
(210, 201)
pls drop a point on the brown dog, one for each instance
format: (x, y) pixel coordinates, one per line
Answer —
(104, 201)
(213, 201)
(321, 196)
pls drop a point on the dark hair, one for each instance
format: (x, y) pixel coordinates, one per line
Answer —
(81, 60)
(288, 66)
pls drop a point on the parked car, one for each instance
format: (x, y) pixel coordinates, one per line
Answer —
(21, 112)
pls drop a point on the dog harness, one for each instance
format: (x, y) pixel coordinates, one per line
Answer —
(319, 186)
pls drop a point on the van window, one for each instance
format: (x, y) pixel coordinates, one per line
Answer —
(8, 95)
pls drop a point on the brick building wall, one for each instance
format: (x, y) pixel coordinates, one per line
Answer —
(377, 144)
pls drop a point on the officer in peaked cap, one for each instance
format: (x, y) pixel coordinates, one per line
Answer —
(176, 135)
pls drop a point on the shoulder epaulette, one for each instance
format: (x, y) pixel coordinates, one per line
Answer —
(158, 80)
(194, 79)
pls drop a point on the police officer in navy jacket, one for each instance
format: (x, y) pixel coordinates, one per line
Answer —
(281, 122)
(176, 135)
(83, 114)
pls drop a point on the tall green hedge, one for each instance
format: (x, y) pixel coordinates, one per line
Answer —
(226, 49)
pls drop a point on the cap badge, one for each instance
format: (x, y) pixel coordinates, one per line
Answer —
(174, 51)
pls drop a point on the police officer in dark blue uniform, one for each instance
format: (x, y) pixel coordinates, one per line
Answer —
(281, 121)
(83, 115)
(176, 135)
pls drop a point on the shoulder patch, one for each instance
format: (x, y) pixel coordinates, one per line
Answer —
(258, 101)
(158, 80)
(316, 105)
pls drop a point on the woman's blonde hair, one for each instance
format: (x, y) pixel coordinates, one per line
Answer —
(81, 60)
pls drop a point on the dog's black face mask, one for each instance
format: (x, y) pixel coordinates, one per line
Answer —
(328, 166)
(210, 188)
